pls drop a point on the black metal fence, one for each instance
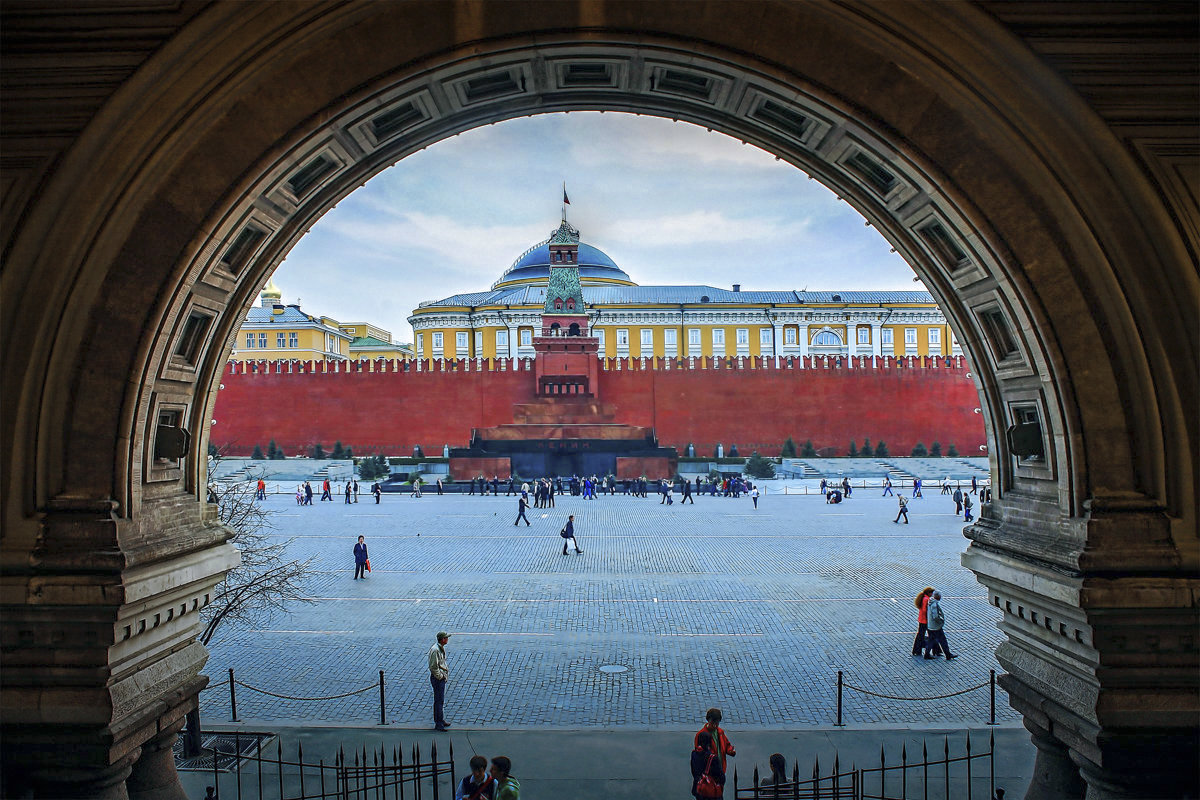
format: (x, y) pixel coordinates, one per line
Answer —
(240, 773)
(968, 776)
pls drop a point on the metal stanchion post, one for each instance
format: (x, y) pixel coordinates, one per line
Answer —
(839, 701)
(232, 696)
(992, 691)
(382, 719)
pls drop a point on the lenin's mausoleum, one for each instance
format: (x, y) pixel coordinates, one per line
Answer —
(545, 396)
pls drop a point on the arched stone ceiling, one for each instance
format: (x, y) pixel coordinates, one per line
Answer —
(907, 116)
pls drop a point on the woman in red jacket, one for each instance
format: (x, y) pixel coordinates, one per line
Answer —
(922, 604)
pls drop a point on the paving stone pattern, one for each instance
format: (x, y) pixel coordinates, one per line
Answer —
(707, 604)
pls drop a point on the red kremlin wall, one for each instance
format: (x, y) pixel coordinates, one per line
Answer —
(378, 407)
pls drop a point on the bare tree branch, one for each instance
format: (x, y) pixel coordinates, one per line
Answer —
(265, 582)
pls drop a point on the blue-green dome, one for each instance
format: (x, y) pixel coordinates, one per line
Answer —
(534, 266)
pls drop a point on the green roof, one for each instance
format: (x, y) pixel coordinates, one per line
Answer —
(564, 284)
(371, 342)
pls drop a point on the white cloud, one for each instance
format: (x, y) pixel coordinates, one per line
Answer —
(700, 227)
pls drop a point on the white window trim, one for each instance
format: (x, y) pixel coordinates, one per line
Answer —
(766, 336)
(864, 334)
(910, 336)
(460, 343)
(789, 337)
(526, 337)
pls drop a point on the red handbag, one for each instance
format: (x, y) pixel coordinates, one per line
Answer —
(368, 565)
(706, 786)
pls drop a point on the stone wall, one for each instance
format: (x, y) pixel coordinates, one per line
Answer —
(755, 403)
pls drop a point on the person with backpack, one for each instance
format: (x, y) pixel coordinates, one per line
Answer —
(478, 785)
(708, 777)
(721, 744)
(903, 512)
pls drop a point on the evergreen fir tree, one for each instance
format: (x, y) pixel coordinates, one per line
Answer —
(338, 450)
(789, 449)
(919, 451)
(866, 451)
(272, 451)
(317, 451)
(759, 467)
(852, 452)
(881, 450)
(952, 452)
(936, 450)
(349, 454)
(808, 451)
(213, 452)
(257, 455)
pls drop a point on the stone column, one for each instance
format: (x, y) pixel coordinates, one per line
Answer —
(876, 339)
(802, 340)
(99, 622)
(1100, 649)
(512, 341)
(777, 339)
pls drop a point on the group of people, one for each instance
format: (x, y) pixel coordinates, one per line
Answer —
(304, 492)
(931, 620)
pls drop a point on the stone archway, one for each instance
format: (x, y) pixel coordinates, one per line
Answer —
(1053, 251)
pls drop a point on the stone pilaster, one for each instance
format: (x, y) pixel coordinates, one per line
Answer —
(98, 625)
(1100, 653)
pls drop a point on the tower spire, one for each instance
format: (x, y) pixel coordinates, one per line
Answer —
(566, 202)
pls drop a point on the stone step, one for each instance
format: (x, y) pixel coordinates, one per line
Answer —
(609, 432)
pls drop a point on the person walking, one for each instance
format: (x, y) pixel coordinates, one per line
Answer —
(522, 504)
(966, 507)
(974, 484)
(356, 490)
(568, 532)
(360, 559)
(946, 485)
(325, 491)
(438, 673)
(916, 487)
(377, 491)
(478, 784)
(754, 496)
(299, 494)
(416, 487)
(472, 488)
(903, 512)
(260, 493)
(349, 491)
(708, 776)
(439, 486)
(720, 742)
(687, 493)
(507, 787)
(922, 604)
(958, 497)
(936, 625)
(308, 493)
(887, 487)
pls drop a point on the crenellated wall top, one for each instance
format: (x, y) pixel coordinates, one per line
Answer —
(628, 364)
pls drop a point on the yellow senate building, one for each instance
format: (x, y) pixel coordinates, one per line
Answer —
(678, 321)
(274, 331)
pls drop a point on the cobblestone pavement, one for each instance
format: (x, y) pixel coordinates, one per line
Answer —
(709, 604)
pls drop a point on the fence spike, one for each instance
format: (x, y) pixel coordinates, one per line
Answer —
(836, 763)
(300, 762)
(279, 763)
(968, 744)
(882, 760)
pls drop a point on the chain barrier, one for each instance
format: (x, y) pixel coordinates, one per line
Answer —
(990, 682)
(290, 697)
(934, 697)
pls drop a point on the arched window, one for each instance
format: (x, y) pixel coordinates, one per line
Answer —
(573, 330)
(558, 256)
(827, 339)
(570, 303)
(554, 328)
(558, 303)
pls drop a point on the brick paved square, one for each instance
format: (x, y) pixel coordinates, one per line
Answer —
(708, 604)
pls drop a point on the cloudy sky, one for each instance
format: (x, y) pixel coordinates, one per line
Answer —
(670, 202)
